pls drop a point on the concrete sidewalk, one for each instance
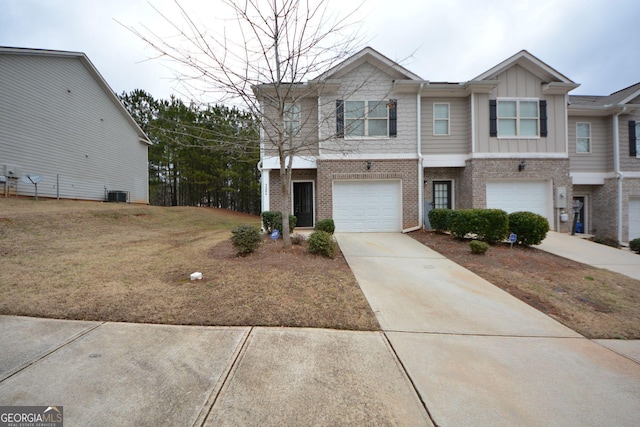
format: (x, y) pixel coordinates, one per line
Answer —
(584, 251)
(479, 356)
(123, 374)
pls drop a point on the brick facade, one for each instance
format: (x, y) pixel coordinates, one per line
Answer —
(404, 170)
(471, 190)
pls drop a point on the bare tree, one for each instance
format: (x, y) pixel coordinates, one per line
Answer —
(260, 63)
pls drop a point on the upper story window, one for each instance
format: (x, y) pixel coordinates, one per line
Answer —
(440, 119)
(518, 118)
(291, 118)
(583, 137)
(366, 118)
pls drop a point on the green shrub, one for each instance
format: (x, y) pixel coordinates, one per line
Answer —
(325, 225)
(440, 219)
(609, 241)
(245, 239)
(491, 225)
(269, 220)
(634, 245)
(530, 227)
(322, 243)
(272, 220)
(478, 247)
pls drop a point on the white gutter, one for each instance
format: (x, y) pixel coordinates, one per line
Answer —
(616, 166)
(420, 163)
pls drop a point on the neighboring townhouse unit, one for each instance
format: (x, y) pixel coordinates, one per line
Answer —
(59, 119)
(385, 146)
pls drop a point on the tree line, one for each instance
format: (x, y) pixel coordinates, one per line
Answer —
(201, 155)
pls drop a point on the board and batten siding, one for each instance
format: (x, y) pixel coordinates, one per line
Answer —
(56, 120)
(457, 142)
(600, 159)
(368, 83)
(517, 82)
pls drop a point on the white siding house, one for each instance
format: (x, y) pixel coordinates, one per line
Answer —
(60, 119)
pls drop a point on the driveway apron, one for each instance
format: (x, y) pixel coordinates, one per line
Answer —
(479, 356)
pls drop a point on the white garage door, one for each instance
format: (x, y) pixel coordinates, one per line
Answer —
(515, 196)
(367, 206)
(634, 219)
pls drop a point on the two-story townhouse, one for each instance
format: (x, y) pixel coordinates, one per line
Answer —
(388, 146)
(605, 164)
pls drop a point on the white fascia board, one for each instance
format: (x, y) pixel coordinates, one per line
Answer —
(590, 178)
(299, 162)
(520, 155)
(445, 161)
(369, 156)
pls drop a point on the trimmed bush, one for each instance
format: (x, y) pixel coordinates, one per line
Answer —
(325, 225)
(322, 243)
(245, 239)
(530, 227)
(272, 220)
(634, 245)
(491, 225)
(478, 247)
(440, 219)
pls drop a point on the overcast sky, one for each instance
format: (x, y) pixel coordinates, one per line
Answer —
(593, 42)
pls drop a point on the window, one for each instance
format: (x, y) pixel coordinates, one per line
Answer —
(517, 118)
(442, 194)
(366, 118)
(583, 137)
(291, 118)
(441, 119)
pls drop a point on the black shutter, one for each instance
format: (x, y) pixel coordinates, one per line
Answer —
(543, 118)
(393, 117)
(493, 117)
(339, 118)
(633, 148)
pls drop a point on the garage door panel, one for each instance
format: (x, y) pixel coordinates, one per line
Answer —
(514, 196)
(367, 206)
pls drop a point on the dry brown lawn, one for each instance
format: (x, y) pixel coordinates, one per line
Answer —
(131, 263)
(595, 302)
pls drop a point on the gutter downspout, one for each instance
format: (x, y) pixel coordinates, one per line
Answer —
(616, 166)
(420, 160)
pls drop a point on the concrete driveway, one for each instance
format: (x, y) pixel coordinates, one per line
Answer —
(479, 356)
(575, 248)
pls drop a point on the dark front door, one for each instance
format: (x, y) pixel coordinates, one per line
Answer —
(442, 194)
(303, 203)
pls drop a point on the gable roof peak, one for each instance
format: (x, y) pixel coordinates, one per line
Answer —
(372, 56)
(531, 63)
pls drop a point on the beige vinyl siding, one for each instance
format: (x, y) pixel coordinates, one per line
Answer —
(368, 83)
(600, 159)
(457, 142)
(56, 120)
(307, 138)
(518, 83)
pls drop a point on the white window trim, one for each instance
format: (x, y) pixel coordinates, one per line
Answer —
(366, 120)
(518, 118)
(448, 119)
(590, 138)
